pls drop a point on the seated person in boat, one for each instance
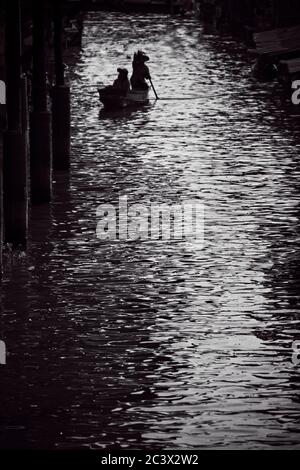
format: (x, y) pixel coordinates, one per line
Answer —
(140, 72)
(120, 87)
(121, 84)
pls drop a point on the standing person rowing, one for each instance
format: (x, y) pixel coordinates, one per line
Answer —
(140, 72)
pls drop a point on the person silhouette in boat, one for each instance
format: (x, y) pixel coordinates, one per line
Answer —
(121, 85)
(140, 72)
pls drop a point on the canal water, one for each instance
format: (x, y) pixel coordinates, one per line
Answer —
(162, 344)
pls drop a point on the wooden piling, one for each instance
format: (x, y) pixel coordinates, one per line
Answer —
(2, 123)
(61, 103)
(40, 118)
(15, 164)
(1, 200)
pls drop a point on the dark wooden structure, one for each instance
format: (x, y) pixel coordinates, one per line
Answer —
(15, 164)
(34, 113)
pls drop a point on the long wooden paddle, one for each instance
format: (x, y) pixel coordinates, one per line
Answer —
(156, 96)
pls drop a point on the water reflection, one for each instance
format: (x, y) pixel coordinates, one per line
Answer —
(155, 344)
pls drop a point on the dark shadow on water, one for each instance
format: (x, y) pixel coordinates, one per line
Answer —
(122, 114)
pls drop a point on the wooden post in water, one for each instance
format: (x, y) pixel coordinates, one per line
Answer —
(2, 124)
(40, 119)
(61, 105)
(15, 164)
(1, 198)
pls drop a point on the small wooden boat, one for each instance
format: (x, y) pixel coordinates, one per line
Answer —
(111, 100)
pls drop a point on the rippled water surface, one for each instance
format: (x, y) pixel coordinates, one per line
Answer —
(156, 343)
